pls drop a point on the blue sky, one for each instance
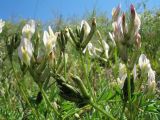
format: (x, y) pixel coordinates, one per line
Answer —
(45, 10)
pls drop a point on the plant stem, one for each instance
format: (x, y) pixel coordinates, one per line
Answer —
(64, 65)
(101, 110)
(129, 94)
(48, 102)
(85, 73)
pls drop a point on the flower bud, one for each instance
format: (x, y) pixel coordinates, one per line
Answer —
(133, 12)
(144, 63)
(76, 115)
(135, 19)
(124, 25)
(115, 12)
(2, 23)
(138, 40)
(137, 23)
(85, 26)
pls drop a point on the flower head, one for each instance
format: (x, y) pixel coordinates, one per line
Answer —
(91, 49)
(49, 40)
(144, 63)
(25, 51)
(29, 29)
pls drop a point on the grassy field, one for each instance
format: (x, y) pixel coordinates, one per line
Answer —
(98, 69)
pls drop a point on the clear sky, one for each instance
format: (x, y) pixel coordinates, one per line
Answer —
(45, 10)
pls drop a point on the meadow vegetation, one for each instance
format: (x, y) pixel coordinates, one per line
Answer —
(93, 69)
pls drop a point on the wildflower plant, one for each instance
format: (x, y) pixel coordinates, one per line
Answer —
(75, 73)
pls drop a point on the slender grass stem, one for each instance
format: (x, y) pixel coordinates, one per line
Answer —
(48, 102)
(23, 93)
(64, 57)
(85, 73)
(129, 94)
(102, 111)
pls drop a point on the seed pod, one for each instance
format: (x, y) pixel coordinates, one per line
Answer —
(39, 98)
(125, 88)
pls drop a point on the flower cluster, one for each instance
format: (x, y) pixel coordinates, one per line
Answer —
(25, 49)
(146, 68)
(125, 33)
(90, 47)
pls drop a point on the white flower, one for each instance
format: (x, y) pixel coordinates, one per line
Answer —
(2, 23)
(49, 40)
(151, 80)
(91, 49)
(144, 63)
(29, 29)
(25, 51)
(87, 28)
(122, 75)
(106, 48)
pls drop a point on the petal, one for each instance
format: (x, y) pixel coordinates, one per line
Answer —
(29, 49)
(134, 72)
(151, 75)
(50, 31)
(105, 45)
(141, 60)
(45, 38)
(20, 52)
(106, 48)
(32, 26)
(112, 38)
